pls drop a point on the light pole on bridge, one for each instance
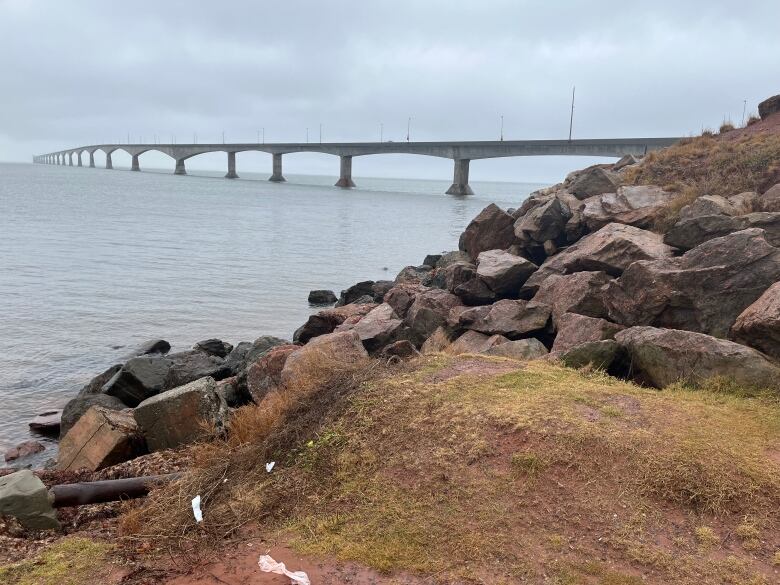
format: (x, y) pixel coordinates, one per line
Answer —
(408, 127)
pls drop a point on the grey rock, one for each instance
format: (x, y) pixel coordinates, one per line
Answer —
(412, 274)
(215, 347)
(574, 330)
(598, 354)
(153, 346)
(544, 222)
(769, 106)
(25, 497)
(47, 422)
(428, 311)
(631, 205)
(510, 318)
(504, 273)
(432, 260)
(520, 349)
(593, 181)
(689, 233)
(449, 257)
(76, 408)
(475, 292)
(356, 291)
(759, 325)
(322, 297)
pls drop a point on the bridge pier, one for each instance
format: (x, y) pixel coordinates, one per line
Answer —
(231, 172)
(460, 181)
(135, 166)
(109, 163)
(277, 176)
(92, 159)
(180, 170)
(78, 156)
(70, 159)
(345, 176)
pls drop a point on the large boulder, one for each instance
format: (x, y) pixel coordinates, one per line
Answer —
(265, 374)
(759, 325)
(492, 229)
(245, 353)
(689, 233)
(611, 249)
(330, 350)
(438, 341)
(429, 311)
(574, 329)
(595, 354)
(475, 292)
(661, 357)
(214, 346)
(703, 290)
(581, 292)
(76, 408)
(449, 257)
(769, 200)
(378, 328)
(95, 385)
(187, 366)
(153, 346)
(474, 342)
(101, 438)
(354, 292)
(502, 272)
(509, 318)
(401, 297)
(327, 320)
(25, 497)
(769, 106)
(419, 274)
(714, 205)
(182, 415)
(593, 181)
(520, 349)
(322, 297)
(544, 222)
(632, 205)
(453, 275)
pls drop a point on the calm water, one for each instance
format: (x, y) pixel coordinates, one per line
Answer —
(94, 262)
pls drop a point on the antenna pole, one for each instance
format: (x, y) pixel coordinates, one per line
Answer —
(571, 118)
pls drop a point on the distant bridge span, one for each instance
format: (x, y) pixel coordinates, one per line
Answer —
(460, 152)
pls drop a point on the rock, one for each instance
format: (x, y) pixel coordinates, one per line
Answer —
(327, 320)
(504, 273)
(428, 311)
(703, 290)
(138, 379)
(611, 249)
(322, 297)
(509, 318)
(475, 292)
(364, 300)
(378, 328)
(402, 348)
(769, 106)
(769, 200)
(356, 291)
(632, 205)
(414, 274)
(47, 423)
(95, 385)
(689, 233)
(574, 329)
(401, 297)
(153, 346)
(233, 392)
(25, 497)
(711, 205)
(449, 257)
(76, 408)
(598, 354)
(625, 161)
(99, 439)
(581, 292)
(492, 229)
(177, 417)
(245, 353)
(381, 288)
(521, 349)
(661, 357)
(455, 274)
(265, 375)
(215, 347)
(188, 366)
(550, 248)
(24, 449)
(332, 349)
(759, 325)
(544, 222)
(593, 181)
(475, 342)
(432, 260)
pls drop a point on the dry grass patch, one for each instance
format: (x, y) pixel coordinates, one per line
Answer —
(463, 473)
(70, 561)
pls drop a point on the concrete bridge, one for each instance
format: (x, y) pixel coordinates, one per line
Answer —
(460, 152)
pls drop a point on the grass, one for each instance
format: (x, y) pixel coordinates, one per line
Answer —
(709, 165)
(70, 561)
(482, 469)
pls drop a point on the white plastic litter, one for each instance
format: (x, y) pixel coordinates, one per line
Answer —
(270, 466)
(196, 509)
(269, 565)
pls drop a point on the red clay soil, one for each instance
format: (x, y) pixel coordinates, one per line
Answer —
(769, 126)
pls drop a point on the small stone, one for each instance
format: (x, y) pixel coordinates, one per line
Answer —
(322, 297)
(22, 450)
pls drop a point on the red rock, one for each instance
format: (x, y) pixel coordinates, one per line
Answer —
(475, 342)
(492, 229)
(759, 325)
(327, 320)
(25, 449)
(265, 375)
(576, 329)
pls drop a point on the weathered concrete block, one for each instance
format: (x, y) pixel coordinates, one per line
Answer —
(23, 496)
(101, 438)
(182, 415)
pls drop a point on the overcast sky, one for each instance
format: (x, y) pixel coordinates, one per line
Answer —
(84, 72)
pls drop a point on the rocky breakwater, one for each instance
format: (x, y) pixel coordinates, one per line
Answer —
(578, 273)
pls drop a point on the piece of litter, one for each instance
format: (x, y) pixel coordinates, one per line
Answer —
(270, 466)
(269, 565)
(196, 509)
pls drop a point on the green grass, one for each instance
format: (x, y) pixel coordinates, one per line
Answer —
(69, 561)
